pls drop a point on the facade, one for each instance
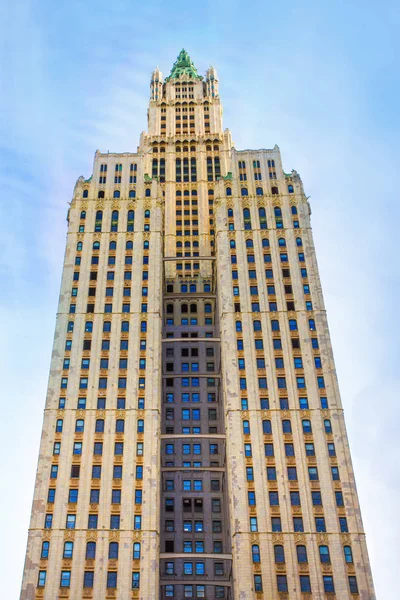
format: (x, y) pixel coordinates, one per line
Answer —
(193, 442)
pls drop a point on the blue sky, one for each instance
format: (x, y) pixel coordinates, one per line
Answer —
(320, 79)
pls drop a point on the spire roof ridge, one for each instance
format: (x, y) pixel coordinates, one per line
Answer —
(183, 66)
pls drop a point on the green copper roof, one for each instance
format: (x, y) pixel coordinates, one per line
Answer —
(183, 66)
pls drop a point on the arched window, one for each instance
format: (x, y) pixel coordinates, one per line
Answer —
(246, 427)
(211, 192)
(275, 190)
(301, 554)
(230, 213)
(96, 245)
(98, 221)
(277, 211)
(192, 288)
(117, 194)
(244, 192)
(263, 218)
(99, 426)
(90, 550)
(107, 326)
(147, 193)
(114, 220)
(279, 553)
(259, 191)
(348, 555)
(147, 214)
(193, 308)
(324, 554)
(79, 425)
(239, 326)
(294, 210)
(89, 326)
(130, 220)
(113, 245)
(140, 426)
(113, 550)
(286, 426)
(68, 549)
(184, 289)
(299, 241)
(184, 308)
(146, 245)
(119, 426)
(85, 193)
(306, 423)
(170, 309)
(282, 242)
(79, 246)
(100, 194)
(249, 243)
(265, 243)
(256, 325)
(228, 191)
(143, 326)
(59, 425)
(266, 425)
(255, 552)
(132, 193)
(290, 189)
(83, 215)
(292, 324)
(136, 551)
(311, 324)
(129, 245)
(275, 325)
(45, 550)
(125, 326)
(232, 244)
(247, 218)
(207, 308)
(328, 426)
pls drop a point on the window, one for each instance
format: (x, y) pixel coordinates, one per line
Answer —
(65, 579)
(348, 555)
(135, 580)
(258, 583)
(279, 554)
(255, 552)
(329, 586)
(136, 551)
(88, 579)
(353, 584)
(41, 578)
(282, 583)
(305, 584)
(111, 579)
(320, 524)
(301, 554)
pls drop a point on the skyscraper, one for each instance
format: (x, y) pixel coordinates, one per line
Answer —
(193, 442)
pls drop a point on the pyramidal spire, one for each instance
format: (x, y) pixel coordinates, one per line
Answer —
(183, 66)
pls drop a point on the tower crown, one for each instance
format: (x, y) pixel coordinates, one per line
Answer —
(183, 66)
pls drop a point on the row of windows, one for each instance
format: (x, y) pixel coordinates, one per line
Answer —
(90, 554)
(301, 551)
(117, 193)
(281, 580)
(101, 402)
(88, 579)
(93, 521)
(113, 245)
(281, 243)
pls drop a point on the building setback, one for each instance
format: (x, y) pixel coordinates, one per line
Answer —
(193, 443)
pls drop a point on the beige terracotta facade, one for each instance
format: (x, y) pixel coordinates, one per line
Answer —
(264, 409)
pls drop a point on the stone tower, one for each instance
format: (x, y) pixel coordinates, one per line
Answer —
(193, 442)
